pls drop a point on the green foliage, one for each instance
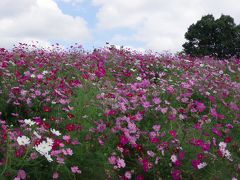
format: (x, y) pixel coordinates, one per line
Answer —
(219, 38)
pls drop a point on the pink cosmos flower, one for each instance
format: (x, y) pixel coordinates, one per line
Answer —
(33, 155)
(200, 156)
(212, 99)
(60, 160)
(195, 163)
(172, 117)
(46, 109)
(21, 174)
(177, 163)
(66, 137)
(112, 160)
(63, 101)
(120, 163)
(75, 170)
(101, 127)
(170, 89)
(154, 140)
(40, 76)
(181, 155)
(229, 126)
(217, 132)
(128, 174)
(156, 128)
(200, 106)
(206, 146)
(151, 153)
(37, 92)
(173, 133)
(146, 165)
(55, 175)
(156, 100)
(215, 114)
(67, 151)
(100, 141)
(123, 140)
(146, 105)
(164, 110)
(176, 174)
(100, 72)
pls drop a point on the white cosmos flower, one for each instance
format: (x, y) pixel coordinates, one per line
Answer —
(227, 154)
(222, 145)
(48, 157)
(174, 158)
(44, 148)
(207, 93)
(29, 122)
(57, 133)
(54, 102)
(45, 72)
(201, 165)
(139, 78)
(23, 140)
(50, 141)
(36, 134)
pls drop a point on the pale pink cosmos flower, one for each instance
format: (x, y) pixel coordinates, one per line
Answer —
(40, 76)
(173, 158)
(164, 110)
(66, 137)
(156, 100)
(60, 160)
(128, 175)
(63, 101)
(55, 175)
(75, 170)
(146, 104)
(37, 92)
(21, 174)
(121, 163)
(112, 160)
(101, 127)
(156, 127)
(67, 151)
(100, 141)
(132, 127)
(33, 155)
(200, 106)
(170, 90)
(151, 153)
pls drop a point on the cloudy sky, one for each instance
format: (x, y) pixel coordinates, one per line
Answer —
(140, 24)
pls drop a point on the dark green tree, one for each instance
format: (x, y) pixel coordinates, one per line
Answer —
(219, 38)
(237, 45)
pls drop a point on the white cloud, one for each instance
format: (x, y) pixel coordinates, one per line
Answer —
(159, 24)
(73, 2)
(40, 20)
(10, 8)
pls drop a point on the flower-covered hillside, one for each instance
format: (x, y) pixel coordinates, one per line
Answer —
(117, 114)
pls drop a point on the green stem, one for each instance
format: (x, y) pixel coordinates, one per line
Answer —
(6, 163)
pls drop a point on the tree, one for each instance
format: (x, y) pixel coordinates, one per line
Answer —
(219, 38)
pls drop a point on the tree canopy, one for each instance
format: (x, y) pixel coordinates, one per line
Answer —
(219, 38)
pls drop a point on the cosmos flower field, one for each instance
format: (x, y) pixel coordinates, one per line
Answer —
(117, 114)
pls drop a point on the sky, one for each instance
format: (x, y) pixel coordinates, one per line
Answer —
(158, 25)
